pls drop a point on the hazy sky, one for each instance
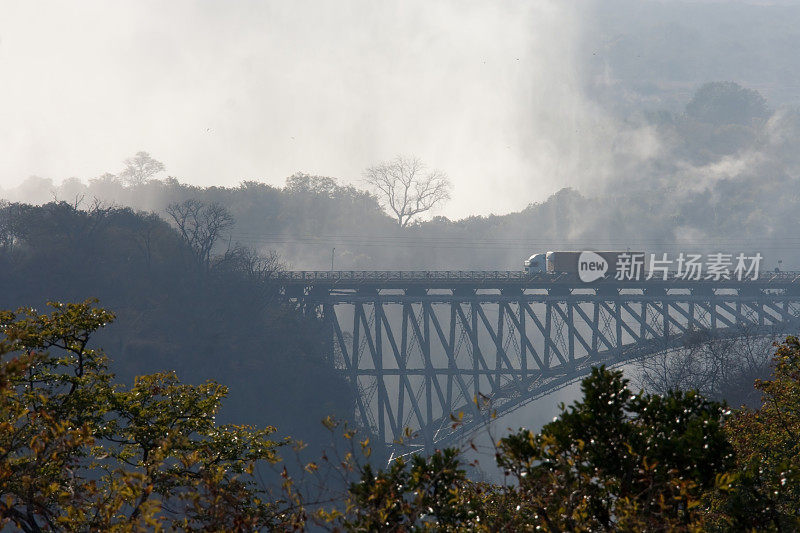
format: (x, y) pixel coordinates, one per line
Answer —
(488, 92)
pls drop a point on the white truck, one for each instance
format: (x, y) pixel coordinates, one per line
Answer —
(563, 262)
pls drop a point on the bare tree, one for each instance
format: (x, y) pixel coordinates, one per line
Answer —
(718, 367)
(201, 225)
(10, 226)
(256, 266)
(406, 189)
(140, 168)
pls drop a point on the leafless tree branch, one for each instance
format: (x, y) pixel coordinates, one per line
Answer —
(406, 189)
(719, 368)
(201, 226)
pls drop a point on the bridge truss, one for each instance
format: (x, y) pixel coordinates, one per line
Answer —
(420, 347)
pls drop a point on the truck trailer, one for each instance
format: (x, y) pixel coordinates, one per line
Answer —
(569, 262)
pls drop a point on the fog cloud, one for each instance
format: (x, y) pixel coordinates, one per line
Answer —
(491, 93)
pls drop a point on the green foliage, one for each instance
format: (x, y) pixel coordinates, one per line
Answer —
(618, 458)
(766, 492)
(80, 453)
(612, 461)
(421, 494)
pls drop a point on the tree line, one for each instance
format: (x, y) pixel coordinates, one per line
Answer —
(724, 175)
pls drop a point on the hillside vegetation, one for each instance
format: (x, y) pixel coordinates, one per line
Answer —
(221, 320)
(723, 176)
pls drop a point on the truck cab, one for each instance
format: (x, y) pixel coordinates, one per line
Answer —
(536, 263)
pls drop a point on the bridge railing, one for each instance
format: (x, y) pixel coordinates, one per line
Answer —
(472, 275)
(392, 275)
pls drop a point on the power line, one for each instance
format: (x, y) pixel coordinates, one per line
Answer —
(759, 243)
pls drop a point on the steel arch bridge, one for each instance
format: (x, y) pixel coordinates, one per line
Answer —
(420, 346)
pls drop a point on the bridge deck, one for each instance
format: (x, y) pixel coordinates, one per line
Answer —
(500, 279)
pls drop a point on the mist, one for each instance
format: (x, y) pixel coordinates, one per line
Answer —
(514, 101)
(608, 124)
(225, 93)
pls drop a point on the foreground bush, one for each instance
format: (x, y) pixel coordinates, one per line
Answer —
(79, 453)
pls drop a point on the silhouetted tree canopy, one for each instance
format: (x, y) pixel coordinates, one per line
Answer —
(140, 168)
(223, 321)
(726, 102)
